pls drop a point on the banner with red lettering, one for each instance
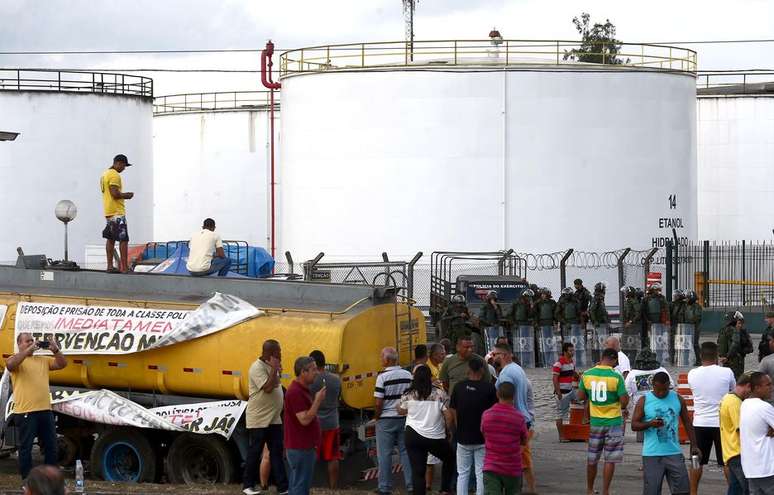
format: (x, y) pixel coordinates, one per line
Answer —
(81, 329)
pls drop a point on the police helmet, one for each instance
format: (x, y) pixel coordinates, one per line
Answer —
(534, 288)
(600, 286)
(626, 290)
(567, 290)
(656, 286)
(691, 295)
(458, 298)
(639, 292)
(678, 294)
(527, 293)
(492, 294)
(545, 290)
(738, 316)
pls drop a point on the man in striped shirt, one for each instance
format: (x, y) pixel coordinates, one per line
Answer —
(605, 391)
(390, 385)
(564, 375)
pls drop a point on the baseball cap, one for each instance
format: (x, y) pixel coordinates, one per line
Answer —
(122, 158)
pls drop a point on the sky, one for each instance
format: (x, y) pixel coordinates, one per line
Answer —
(55, 25)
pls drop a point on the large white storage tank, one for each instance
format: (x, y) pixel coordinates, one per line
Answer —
(71, 125)
(212, 160)
(736, 160)
(470, 146)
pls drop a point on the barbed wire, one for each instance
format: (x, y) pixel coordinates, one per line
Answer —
(586, 260)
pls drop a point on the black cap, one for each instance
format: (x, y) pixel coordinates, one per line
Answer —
(123, 159)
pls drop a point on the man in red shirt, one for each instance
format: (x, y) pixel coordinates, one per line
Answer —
(505, 431)
(302, 428)
(564, 374)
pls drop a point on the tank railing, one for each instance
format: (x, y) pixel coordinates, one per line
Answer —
(223, 101)
(444, 53)
(736, 81)
(75, 82)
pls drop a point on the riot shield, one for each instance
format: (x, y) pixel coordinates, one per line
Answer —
(577, 336)
(684, 344)
(631, 341)
(596, 342)
(659, 342)
(549, 346)
(524, 346)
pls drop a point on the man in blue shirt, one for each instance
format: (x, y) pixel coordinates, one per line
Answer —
(514, 374)
(658, 414)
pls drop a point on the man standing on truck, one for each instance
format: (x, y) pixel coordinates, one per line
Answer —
(115, 214)
(201, 248)
(31, 396)
(302, 426)
(263, 418)
(329, 450)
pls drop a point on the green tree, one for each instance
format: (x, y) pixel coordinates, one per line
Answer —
(598, 45)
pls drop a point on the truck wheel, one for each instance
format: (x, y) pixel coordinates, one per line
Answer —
(123, 455)
(200, 459)
(66, 450)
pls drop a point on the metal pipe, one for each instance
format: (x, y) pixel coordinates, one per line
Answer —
(290, 261)
(266, 80)
(410, 274)
(646, 265)
(620, 264)
(563, 268)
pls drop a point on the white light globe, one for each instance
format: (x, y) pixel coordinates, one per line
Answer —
(65, 210)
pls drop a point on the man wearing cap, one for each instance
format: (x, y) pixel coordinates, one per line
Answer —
(115, 214)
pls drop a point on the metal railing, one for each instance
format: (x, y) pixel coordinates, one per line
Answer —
(455, 53)
(734, 82)
(75, 82)
(227, 101)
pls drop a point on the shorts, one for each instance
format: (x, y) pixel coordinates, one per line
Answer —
(526, 452)
(655, 468)
(761, 486)
(607, 438)
(116, 230)
(329, 449)
(705, 437)
(563, 404)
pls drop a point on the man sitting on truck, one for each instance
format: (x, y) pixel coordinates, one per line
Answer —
(201, 248)
(32, 400)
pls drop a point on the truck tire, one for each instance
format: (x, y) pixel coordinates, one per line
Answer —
(200, 459)
(123, 455)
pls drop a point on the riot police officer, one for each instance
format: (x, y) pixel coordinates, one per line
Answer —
(583, 296)
(631, 313)
(654, 306)
(455, 318)
(568, 310)
(545, 309)
(491, 313)
(766, 336)
(734, 344)
(597, 310)
(692, 315)
(522, 310)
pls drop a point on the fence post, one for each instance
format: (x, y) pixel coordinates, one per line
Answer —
(290, 261)
(668, 268)
(744, 274)
(410, 275)
(501, 262)
(646, 266)
(563, 269)
(705, 268)
(620, 264)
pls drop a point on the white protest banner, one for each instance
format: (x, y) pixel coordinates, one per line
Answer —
(109, 408)
(3, 310)
(205, 417)
(83, 329)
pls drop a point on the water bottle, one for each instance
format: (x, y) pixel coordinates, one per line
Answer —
(79, 482)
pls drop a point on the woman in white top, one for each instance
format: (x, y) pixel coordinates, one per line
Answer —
(427, 421)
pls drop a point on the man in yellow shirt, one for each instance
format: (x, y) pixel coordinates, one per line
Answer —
(115, 214)
(32, 398)
(729, 434)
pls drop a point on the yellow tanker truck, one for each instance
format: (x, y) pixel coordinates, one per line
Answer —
(112, 327)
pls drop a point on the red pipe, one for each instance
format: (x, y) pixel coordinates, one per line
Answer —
(266, 64)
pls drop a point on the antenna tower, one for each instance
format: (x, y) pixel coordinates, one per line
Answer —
(409, 6)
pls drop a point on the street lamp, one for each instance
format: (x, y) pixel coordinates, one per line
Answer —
(65, 211)
(8, 135)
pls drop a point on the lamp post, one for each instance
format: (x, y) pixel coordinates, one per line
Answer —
(66, 212)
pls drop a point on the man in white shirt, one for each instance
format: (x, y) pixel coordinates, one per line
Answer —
(709, 384)
(623, 367)
(640, 380)
(756, 421)
(201, 249)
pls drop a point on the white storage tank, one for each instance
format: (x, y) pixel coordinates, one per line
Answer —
(736, 161)
(71, 125)
(212, 160)
(471, 146)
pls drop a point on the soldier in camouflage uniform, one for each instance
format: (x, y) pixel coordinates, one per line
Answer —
(490, 313)
(655, 309)
(455, 318)
(734, 344)
(567, 311)
(766, 336)
(631, 314)
(545, 309)
(692, 314)
(676, 308)
(522, 310)
(597, 310)
(583, 296)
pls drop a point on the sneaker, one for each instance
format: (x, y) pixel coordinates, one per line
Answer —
(251, 491)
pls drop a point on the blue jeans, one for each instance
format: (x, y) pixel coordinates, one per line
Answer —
(220, 265)
(389, 434)
(38, 424)
(737, 483)
(301, 467)
(470, 456)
